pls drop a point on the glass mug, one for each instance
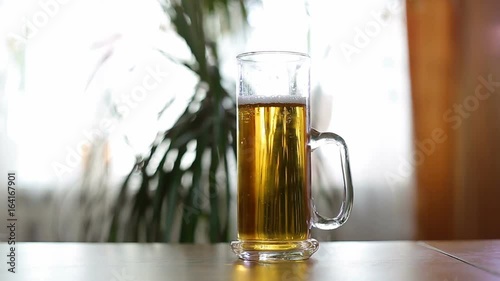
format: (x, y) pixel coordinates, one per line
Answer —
(274, 142)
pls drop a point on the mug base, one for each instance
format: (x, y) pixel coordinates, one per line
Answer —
(275, 251)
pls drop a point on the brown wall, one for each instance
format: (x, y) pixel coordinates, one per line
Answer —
(452, 44)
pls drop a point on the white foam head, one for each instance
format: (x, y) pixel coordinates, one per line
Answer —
(242, 100)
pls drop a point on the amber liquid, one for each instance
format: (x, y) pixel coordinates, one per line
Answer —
(273, 172)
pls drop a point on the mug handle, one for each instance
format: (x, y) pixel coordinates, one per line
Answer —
(320, 222)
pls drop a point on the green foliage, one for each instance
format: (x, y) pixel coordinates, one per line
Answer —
(198, 190)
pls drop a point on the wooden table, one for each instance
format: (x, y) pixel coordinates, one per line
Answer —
(443, 261)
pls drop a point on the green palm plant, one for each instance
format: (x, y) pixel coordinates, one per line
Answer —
(205, 132)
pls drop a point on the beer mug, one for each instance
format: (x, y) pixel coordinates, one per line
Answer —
(274, 143)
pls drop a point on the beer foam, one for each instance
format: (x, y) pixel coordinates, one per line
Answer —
(242, 100)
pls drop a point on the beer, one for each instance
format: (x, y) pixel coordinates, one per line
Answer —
(273, 169)
(273, 140)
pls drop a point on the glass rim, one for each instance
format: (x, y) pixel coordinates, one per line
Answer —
(259, 56)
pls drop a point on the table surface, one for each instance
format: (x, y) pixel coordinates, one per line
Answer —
(398, 260)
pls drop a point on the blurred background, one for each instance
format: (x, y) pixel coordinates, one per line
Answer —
(118, 117)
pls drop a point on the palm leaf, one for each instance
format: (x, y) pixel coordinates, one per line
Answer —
(164, 200)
